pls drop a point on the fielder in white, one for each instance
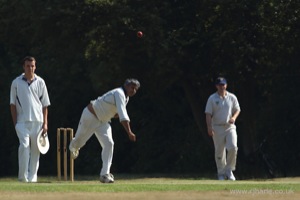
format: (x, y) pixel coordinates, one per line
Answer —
(222, 110)
(28, 103)
(95, 119)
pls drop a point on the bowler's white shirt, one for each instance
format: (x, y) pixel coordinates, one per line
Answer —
(111, 103)
(221, 108)
(29, 98)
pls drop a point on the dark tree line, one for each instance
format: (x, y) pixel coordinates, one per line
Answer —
(84, 48)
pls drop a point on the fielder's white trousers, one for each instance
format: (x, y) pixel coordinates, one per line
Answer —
(29, 153)
(89, 125)
(225, 142)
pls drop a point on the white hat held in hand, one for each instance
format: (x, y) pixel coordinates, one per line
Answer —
(43, 142)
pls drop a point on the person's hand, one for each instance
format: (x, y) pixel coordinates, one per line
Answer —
(231, 120)
(210, 132)
(132, 137)
(116, 116)
(45, 128)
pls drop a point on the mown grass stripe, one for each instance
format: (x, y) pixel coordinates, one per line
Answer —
(49, 184)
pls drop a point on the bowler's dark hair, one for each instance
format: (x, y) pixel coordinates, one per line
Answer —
(132, 81)
(28, 58)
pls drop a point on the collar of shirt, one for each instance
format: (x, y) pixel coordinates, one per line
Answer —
(124, 91)
(29, 82)
(223, 97)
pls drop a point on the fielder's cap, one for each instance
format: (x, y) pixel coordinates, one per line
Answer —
(43, 142)
(221, 81)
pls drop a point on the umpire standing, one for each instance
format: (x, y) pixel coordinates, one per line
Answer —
(222, 110)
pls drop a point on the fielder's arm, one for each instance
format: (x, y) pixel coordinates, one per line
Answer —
(234, 117)
(45, 115)
(126, 126)
(209, 125)
(13, 111)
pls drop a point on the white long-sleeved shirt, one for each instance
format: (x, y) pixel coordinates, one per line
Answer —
(111, 103)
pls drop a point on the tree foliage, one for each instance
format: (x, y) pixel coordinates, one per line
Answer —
(86, 47)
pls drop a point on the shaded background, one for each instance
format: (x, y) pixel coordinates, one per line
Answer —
(86, 47)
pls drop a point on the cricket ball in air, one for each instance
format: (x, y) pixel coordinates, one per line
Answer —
(139, 34)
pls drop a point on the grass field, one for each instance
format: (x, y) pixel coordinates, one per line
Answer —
(150, 188)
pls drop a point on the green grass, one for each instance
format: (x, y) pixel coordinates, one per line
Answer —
(139, 184)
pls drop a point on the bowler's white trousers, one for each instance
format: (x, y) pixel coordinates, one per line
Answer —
(29, 153)
(225, 140)
(89, 125)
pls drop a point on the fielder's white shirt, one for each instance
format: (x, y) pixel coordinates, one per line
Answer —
(111, 103)
(29, 98)
(221, 108)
